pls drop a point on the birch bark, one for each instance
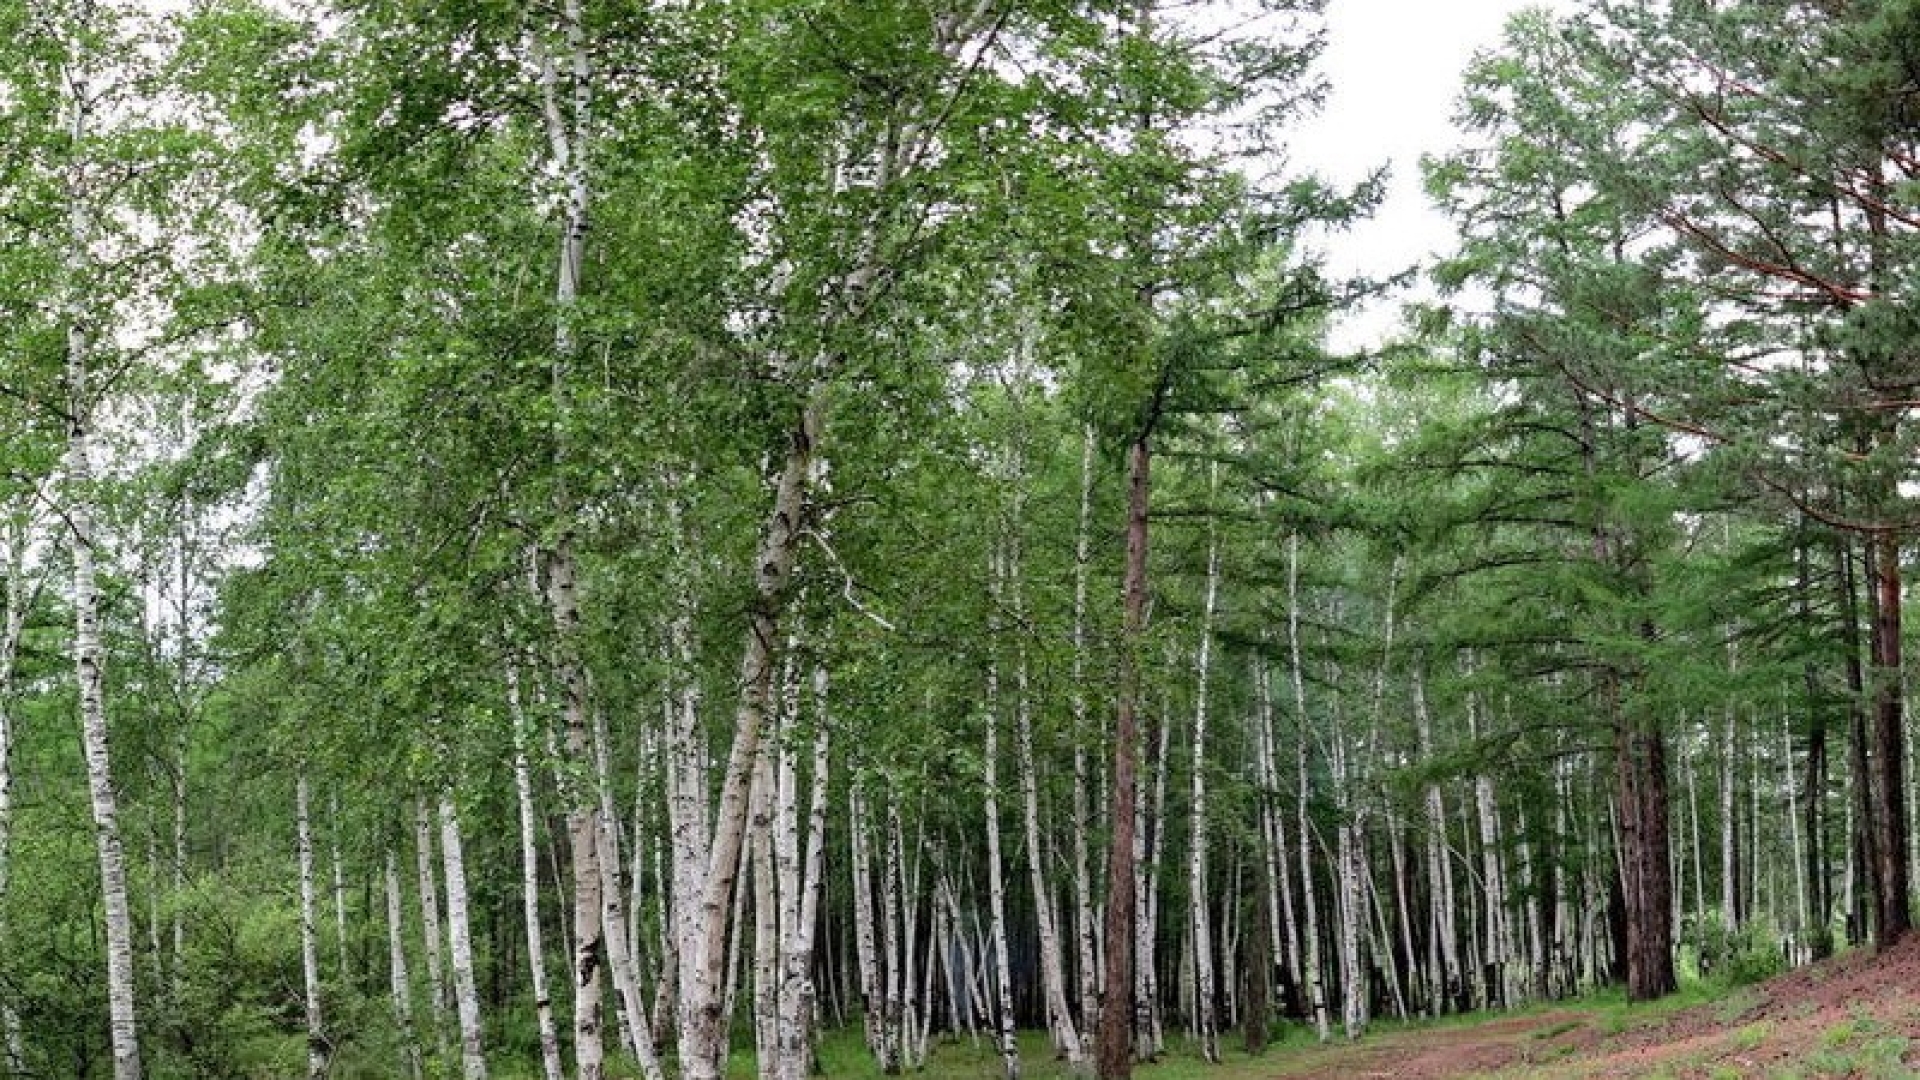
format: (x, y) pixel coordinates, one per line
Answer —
(1006, 1041)
(89, 656)
(1084, 920)
(864, 936)
(530, 880)
(466, 992)
(1447, 984)
(1316, 990)
(430, 924)
(1052, 964)
(309, 931)
(1205, 1024)
(399, 983)
(18, 600)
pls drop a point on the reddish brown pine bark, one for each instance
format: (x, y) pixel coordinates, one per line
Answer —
(1113, 1050)
(1889, 788)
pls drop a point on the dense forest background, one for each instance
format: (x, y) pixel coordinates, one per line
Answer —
(599, 537)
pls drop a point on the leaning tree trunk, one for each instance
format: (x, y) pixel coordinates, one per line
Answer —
(625, 974)
(702, 1014)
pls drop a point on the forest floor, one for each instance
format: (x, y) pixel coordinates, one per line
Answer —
(1855, 1016)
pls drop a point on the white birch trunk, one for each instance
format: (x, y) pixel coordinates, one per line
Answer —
(17, 602)
(1086, 919)
(798, 994)
(784, 848)
(898, 948)
(703, 1021)
(866, 948)
(568, 123)
(1692, 777)
(1381, 944)
(399, 982)
(466, 993)
(430, 925)
(1206, 1027)
(1053, 974)
(766, 917)
(1446, 976)
(179, 792)
(1499, 926)
(1795, 849)
(1149, 838)
(309, 932)
(689, 810)
(530, 881)
(89, 657)
(996, 888)
(909, 933)
(1403, 909)
(1316, 990)
(1350, 866)
(636, 1030)
(339, 889)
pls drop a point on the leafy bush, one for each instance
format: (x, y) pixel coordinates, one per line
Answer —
(1751, 954)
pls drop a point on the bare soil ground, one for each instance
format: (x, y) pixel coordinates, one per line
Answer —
(1858, 1016)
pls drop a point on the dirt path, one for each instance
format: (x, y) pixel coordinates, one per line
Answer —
(1438, 1052)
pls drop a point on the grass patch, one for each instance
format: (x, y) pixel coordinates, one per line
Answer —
(1752, 1036)
(1557, 1030)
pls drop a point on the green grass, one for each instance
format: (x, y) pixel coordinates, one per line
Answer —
(843, 1054)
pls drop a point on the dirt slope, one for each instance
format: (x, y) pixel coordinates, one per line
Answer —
(1858, 1016)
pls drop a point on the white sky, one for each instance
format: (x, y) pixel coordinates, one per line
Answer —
(1395, 68)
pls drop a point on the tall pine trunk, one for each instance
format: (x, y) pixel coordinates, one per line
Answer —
(1113, 1050)
(1889, 740)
